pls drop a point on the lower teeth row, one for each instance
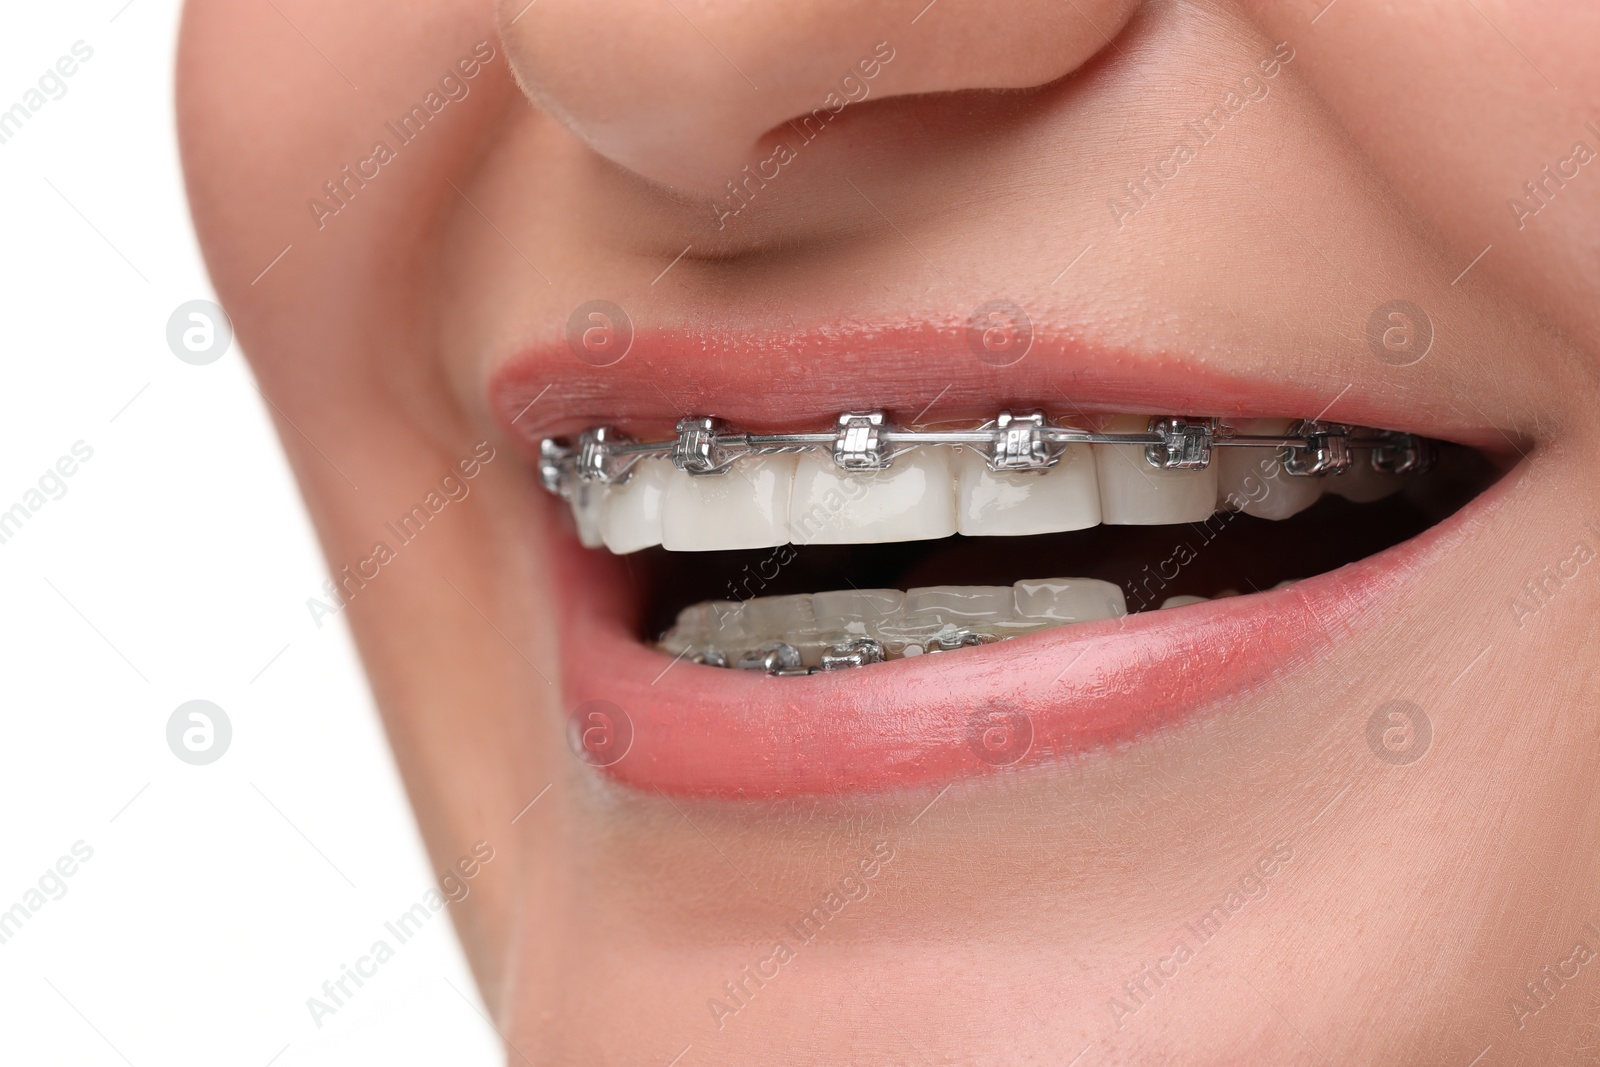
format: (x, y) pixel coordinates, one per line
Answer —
(809, 633)
(854, 627)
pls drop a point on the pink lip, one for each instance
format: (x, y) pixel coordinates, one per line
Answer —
(687, 729)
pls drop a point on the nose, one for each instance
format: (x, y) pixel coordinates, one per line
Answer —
(682, 91)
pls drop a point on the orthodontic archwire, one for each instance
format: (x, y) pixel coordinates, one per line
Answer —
(866, 441)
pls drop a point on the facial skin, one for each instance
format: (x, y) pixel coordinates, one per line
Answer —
(1407, 904)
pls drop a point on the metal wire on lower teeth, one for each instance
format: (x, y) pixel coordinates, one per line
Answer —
(867, 441)
(783, 660)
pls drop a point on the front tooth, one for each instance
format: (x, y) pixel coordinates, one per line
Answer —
(1252, 480)
(789, 619)
(914, 500)
(1362, 484)
(631, 519)
(951, 611)
(713, 622)
(962, 603)
(588, 508)
(777, 617)
(1007, 503)
(1069, 599)
(747, 506)
(856, 612)
(1133, 493)
(1183, 601)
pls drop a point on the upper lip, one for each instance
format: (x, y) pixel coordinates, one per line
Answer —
(706, 731)
(802, 380)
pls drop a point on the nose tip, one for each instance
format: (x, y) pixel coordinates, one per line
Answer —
(682, 92)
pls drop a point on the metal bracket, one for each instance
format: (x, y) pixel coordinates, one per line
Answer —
(553, 459)
(1404, 453)
(1185, 444)
(859, 444)
(1326, 449)
(856, 653)
(600, 460)
(699, 449)
(1020, 444)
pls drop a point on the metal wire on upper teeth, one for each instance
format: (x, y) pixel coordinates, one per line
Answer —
(867, 441)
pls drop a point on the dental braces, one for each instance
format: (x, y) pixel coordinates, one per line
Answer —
(783, 660)
(866, 441)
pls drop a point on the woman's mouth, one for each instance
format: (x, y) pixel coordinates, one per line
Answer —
(861, 604)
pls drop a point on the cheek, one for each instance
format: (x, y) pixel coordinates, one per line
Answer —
(1389, 96)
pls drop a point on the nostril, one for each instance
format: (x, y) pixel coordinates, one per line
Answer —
(687, 94)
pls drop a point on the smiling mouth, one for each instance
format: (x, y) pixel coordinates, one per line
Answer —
(805, 552)
(991, 586)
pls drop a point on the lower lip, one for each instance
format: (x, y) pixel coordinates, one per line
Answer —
(690, 730)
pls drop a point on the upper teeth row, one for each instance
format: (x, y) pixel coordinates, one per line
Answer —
(867, 441)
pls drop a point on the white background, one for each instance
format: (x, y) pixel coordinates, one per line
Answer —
(175, 567)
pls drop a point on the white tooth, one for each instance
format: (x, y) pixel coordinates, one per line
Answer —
(990, 503)
(631, 519)
(773, 618)
(914, 500)
(785, 618)
(856, 612)
(1133, 493)
(962, 603)
(1286, 583)
(1252, 480)
(1183, 601)
(588, 507)
(1069, 599)
(716, 622)
(1361, 484)
(745, 507)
